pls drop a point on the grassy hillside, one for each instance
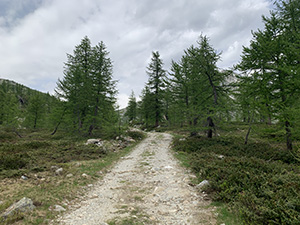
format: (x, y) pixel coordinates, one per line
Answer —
(28, 168)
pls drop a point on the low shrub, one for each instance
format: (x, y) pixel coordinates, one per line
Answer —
(136, 135)
(13, 161)
(260, 182)
(6, 136)
(36, 144)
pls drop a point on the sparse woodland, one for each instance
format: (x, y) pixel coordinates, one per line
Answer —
(238, 128)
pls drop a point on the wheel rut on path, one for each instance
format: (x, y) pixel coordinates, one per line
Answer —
(146, 187)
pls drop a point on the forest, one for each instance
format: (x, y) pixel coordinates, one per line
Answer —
(237, 128)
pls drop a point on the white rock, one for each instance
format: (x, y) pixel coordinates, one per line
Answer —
(24, 205)
(58, 208)
(92, 141)
(24, 177)
(54, 168)
(168, 167)
(85, 175)
(100, 144)
(94, 196)
(69, 175)
(59, 171)
(221, 157)
(203, 184)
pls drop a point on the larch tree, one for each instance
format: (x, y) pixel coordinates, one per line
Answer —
(196, 84)
(87, 86)
(147, 106)
(76, 85)
(103, 88)
(271, 63)
(131, 111)
(35, 110)
(156, 84)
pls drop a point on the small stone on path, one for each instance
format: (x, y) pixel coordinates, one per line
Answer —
(58, 208)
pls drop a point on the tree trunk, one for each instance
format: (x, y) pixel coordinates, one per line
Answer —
(196, 121)
(211, 126)
(213, 88)
(59, 122)
(35, 120)
(269, 114)
(92, 126)
(289, 143)
(156, 112)
(250, 127)
(247, 135)
(17, 133)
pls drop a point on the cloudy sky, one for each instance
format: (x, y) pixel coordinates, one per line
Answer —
(36, 35)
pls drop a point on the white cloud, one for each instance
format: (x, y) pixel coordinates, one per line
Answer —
(35, 37)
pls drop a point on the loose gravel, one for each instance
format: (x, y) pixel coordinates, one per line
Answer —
(146, 187)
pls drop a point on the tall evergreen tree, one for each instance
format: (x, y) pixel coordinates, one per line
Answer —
(197, 83)
(156, 84)
(271, 63)
(75, 86)
(103, 89)
(87, 86)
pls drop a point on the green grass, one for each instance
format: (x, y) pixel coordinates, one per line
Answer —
(135, 217)
(258, 182)
(34, 155)
(226, 215)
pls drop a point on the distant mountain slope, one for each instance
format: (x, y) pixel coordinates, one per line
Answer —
(21, 106)
(21, 92)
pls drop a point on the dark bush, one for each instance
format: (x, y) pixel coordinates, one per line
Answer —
(13, 161)
(36, 144)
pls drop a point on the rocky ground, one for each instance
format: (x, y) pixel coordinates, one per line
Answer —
(146, 187)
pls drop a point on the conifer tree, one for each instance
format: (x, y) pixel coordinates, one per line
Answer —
(131, 111)
(196, 84)
(103, 88)
(271, 63)
(146, 106)
(156, 84)
(9, 108)
(87, 86)
(35, 110)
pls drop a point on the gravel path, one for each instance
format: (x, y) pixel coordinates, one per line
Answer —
(146, 187)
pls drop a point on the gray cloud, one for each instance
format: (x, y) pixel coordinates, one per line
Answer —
(35, 35)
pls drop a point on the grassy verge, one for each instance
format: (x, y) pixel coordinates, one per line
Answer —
(258, 183)
(37, 156)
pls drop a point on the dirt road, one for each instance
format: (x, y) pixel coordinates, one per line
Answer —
(146, 187)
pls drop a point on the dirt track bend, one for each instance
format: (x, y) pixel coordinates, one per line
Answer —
(146, 187)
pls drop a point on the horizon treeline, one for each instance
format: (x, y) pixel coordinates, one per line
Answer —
(263, 87)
